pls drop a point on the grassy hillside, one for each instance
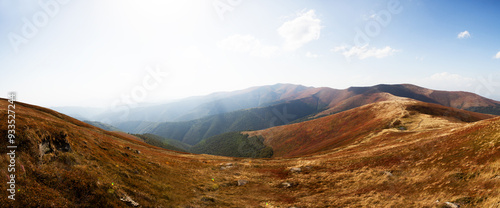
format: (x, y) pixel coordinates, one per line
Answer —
(192, 132)
(163, 143)
(101, 125)
(234, 144)
(443, 157)
(136, 127)
(63, 162)
(344, 128)
(495, 110)
(301, 104)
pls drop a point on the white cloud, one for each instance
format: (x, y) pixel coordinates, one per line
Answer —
(498, 55)
(449, 81)
(445, 76)
(463, 35)
(311, 55)
(301, 30)
(247, 44)
(365, 52)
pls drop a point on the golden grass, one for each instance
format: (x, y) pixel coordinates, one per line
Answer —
(441, 161)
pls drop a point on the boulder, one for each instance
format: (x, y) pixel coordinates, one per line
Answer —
(451, 205)
(44, 147)
(295, 170)
(286, 185)
(242, 182)
(53, 143)
(387, 173)
(129, 201)
(226, 166)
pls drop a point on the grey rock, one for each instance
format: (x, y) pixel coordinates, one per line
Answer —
(387, 173)
(129, 201)
(286, 185)
(54, 143)
(451, 205)
(226, 166)
(44, 147)
(295, 170)
(242, 182)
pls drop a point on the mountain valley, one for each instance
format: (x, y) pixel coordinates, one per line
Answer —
(354, 148)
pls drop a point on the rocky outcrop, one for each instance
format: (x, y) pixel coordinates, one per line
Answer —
(226, 166)
(451, 205)
(129, 201)
(53, 144)
(295, 170)
(242, 182)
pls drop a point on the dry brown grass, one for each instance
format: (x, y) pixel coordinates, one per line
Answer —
(442, 160)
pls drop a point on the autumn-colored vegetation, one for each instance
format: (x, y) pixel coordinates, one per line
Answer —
(357, 158)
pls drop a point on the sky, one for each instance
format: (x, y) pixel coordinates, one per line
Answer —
(105, 52)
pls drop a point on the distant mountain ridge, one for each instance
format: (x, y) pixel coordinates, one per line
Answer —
(104, 126)
(192, 132)
(296, 103)
(326, 98)
(192, 107)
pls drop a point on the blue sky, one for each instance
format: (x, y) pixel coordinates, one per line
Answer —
(98, 53)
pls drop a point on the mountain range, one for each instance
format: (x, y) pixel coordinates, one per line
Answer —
(263, 107)
(324, 98)
(380, 146)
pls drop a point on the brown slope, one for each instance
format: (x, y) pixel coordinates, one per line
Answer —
(455, 99)
(123, 134)
(435, 166)
(331, 101)
(350, 126)
(352, 101)
(357, 96)
(440, 159)
(62, 162)
(331, 98)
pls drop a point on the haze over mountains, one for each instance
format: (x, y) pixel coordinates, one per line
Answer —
(194, 119)
(393, 151)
